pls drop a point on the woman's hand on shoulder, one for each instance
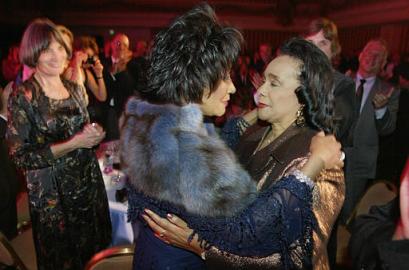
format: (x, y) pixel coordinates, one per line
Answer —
(328, 150)
(251, 117)
(173, 231)
(325, 154)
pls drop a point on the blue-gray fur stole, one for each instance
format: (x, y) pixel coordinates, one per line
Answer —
(168, 155)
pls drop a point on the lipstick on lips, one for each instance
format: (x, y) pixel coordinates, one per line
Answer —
(261, 105)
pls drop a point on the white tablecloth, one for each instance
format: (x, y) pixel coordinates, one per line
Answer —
(122, 233)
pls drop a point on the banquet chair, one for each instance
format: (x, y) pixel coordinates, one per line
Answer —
(8, 255)
(379, 193)
(119, 257)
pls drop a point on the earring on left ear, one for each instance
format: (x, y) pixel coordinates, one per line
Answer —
(299, 117)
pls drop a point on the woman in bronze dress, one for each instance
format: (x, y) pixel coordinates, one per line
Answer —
(51, 139)
(295, 101)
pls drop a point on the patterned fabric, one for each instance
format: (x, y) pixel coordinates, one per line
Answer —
(285, 154)
(278, 222)
(232, 130)
(67, 198)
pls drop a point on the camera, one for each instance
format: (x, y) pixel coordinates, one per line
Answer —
(90, 61)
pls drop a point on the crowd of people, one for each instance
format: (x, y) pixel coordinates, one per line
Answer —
(233, 161)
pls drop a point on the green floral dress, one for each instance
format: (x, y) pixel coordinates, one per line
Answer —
(67, 197)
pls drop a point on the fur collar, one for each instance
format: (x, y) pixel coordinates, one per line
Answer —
(169, 155)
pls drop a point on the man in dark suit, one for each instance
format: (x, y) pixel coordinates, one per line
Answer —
(324, 34)
(120, 84)
(394, 148)
(377, 117)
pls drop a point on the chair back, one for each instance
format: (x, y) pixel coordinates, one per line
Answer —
(120, 257)
(8, 255)
(381, 192)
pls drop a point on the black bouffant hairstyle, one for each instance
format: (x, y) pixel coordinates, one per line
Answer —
(316, 79)
(195, 53)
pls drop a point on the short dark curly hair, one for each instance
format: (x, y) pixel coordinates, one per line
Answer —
(316, 79)
(195, 53)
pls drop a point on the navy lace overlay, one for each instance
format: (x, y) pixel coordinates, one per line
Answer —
(232, 131)
(279, 217)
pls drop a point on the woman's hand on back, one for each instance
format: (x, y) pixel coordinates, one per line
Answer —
(173, 231)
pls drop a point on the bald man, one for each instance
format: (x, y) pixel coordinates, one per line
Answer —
(120, 84)
(378, 104)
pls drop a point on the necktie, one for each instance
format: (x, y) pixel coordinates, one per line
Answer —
(359, 94)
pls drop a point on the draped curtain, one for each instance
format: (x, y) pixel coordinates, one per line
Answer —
(404, 42)
(353, 39)
(397, 36)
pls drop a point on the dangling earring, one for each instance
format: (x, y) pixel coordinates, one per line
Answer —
(299, 117)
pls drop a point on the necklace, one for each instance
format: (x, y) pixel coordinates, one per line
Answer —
(269, 136)
(264, 142)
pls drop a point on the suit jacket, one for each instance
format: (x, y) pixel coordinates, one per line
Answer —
(345, 107)
(119, 88)
(286, 152)
(276, 157)
(361, 158)
(394, 148)
(371, 245)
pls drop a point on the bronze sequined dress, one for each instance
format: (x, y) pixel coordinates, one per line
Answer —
(287, 152)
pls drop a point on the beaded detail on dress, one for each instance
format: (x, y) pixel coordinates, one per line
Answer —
(269, 225)
(328, 193)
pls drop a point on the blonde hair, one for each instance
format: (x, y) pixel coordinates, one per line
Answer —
(85, 42)
(67, 32)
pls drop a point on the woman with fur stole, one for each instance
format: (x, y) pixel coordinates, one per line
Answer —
(177, 164)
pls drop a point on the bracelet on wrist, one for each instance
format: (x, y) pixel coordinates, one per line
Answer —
(242, 124)
(303, 178)
(99, 78)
